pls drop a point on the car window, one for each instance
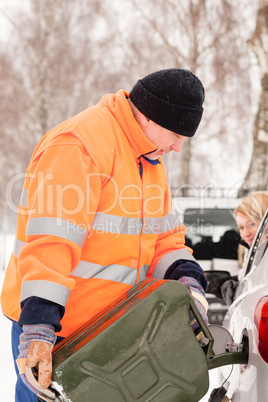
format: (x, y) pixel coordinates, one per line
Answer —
(259, 246)
(211, 233)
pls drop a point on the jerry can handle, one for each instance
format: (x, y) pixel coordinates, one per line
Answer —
(205, 333)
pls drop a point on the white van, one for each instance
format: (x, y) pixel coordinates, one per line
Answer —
(211, 230)
(214, 238)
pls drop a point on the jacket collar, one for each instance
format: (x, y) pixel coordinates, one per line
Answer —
(119, 107)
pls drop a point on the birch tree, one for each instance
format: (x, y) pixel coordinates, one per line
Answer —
(67, 57)
(205, 37)
(11, 144)
(257, 175)
(50, 70)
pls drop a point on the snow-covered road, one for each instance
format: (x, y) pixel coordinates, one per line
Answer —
(7, 371)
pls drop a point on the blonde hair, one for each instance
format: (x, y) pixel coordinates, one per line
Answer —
(254, 206)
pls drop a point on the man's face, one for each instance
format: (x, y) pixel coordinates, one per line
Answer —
(164, 140)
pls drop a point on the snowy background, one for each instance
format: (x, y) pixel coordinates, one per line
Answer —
(7, 371)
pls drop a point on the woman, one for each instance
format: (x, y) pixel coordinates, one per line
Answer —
(249, 213)
(248, 216)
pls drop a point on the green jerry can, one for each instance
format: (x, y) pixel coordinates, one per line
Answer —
(142, 349)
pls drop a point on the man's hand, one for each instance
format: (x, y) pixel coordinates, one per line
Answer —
(40, 355)
(36, 344)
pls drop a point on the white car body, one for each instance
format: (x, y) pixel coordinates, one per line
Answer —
(249, 383)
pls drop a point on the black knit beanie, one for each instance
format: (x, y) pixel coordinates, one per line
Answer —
(172, 98)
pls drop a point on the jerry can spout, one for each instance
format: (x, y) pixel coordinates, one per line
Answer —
(225, 351)
(225, 359)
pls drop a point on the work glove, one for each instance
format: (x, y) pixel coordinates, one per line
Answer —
(198, 295)
(36, 344)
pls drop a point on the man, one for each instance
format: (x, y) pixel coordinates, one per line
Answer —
(94, 216)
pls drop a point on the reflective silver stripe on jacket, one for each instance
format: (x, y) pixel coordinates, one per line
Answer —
(18, 246)
(47, 290)
(23, 198)
(168, 259)
(56, 227)
(134, 226)
(143, 272)
(161, 225)
(113, 272)
(117, 224)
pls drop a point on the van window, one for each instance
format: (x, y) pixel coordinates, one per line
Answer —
(211, 233)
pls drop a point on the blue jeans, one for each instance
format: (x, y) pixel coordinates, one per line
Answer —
(22, 393)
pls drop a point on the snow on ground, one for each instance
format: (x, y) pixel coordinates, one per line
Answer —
(7, 371)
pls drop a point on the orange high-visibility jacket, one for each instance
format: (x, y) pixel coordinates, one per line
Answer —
(89, 227)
